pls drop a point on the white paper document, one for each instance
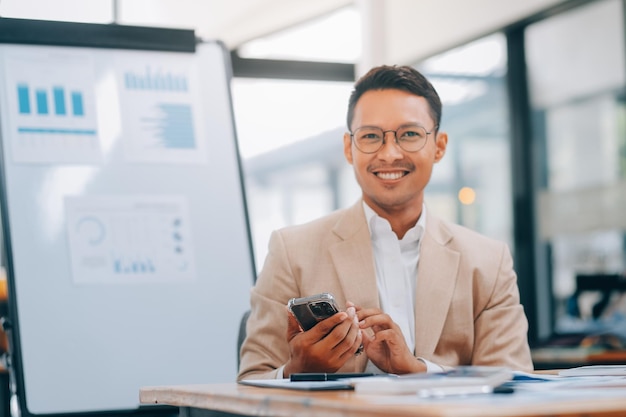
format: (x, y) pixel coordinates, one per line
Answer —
(161, 111)
(130, 239)
(51, 110)
(461, 380)
(595, 370)
(298, 385)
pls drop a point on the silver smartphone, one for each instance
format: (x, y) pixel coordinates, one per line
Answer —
(313, 309)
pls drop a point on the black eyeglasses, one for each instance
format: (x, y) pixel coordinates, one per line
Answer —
(370, 139)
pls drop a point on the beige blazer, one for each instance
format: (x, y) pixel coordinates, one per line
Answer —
(467, 309)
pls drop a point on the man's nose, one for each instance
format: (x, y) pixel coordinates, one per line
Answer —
(390, 149)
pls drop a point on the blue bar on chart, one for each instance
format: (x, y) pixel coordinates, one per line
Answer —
(23, 99)
(59, 101)
(77, 104)
(155, 80)
(41, 97)
(175, 128)
(133, 266)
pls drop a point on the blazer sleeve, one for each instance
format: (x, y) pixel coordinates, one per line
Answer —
(265, 348)
(501, 327)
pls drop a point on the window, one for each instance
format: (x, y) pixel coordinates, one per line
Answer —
(577, 84)
(290, 132)
(472, 184)
(290, 150)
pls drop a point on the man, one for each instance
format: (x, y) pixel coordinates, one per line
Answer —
(428, 294)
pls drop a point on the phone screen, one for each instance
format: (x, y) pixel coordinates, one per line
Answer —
(311, 310)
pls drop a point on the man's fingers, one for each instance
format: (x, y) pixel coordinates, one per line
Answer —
(351, 311)
(376, 321)
(363, 313)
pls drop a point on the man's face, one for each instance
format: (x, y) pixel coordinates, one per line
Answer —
(392, 179)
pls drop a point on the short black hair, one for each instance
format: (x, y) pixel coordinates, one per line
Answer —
(393, 77)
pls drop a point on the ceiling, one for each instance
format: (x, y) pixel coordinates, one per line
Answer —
(401, 31)
(232, 21)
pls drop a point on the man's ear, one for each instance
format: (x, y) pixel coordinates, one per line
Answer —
(347, 147)
(441, 144)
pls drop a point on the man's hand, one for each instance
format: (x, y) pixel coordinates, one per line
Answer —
(324, 348)
(385, 345)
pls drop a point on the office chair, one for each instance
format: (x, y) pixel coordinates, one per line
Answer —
(242, 335)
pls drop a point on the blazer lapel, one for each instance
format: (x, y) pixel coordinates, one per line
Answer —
(353, 258)
(354, 262)
(437, 273)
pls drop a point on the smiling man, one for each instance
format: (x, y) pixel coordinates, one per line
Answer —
(427, 294)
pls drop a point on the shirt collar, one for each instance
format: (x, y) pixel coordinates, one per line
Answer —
(379, 226)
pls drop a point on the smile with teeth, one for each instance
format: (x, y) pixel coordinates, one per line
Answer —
(390, 175)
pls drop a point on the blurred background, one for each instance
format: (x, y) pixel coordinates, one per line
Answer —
(534, 105)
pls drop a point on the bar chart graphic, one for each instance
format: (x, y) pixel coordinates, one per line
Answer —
(172, 126)
(51, 103)
(156, 80)
(129, 239)
(52, 108)
(161, 107)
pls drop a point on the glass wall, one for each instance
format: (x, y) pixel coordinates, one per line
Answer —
(292, 150)
(472, 184)
(576, 69)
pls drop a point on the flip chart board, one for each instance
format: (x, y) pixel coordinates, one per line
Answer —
(125, 225)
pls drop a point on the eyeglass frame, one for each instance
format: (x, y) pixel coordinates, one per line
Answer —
(395, 137)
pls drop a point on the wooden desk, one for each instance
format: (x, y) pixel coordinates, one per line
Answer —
(253, 401)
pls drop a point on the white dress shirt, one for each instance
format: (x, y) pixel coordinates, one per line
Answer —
(396, 270)
(396, 274)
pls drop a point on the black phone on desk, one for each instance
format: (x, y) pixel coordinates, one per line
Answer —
(313, 309)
